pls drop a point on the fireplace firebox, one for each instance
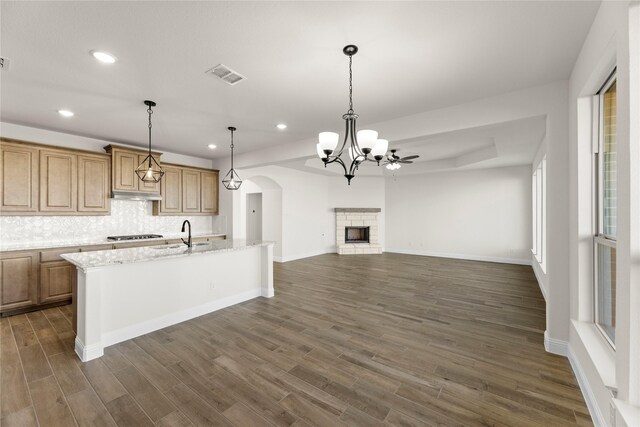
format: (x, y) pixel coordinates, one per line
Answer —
(356, 234)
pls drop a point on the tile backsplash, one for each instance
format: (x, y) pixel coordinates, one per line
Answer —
(127, 217)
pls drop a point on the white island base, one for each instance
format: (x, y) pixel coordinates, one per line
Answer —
(120, 300)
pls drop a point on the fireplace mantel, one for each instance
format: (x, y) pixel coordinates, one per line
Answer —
(357, 217)
(365, 210)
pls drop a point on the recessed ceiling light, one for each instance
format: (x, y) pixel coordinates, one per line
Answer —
(65, 113)
(281, 126)
(212, 146)
(105, 57)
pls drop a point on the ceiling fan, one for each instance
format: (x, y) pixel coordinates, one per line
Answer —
(393, 161)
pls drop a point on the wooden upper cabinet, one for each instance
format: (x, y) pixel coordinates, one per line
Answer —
(147, 187)
(18, 280)
(209, 192)
(190, 191)
(44, 180)
(171, 189)
(58, 181)
(18, 178)
(93, 184)
(123, 170)
(124, 165)
(187, 190)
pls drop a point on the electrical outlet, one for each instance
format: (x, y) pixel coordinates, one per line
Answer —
(612, 414)
(212, 286)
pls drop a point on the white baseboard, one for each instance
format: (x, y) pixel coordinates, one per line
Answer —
(86, 353)
(148, 326)
(460, 256)
(594, 410)
(541, 283)
(555, 346)
(300, 256)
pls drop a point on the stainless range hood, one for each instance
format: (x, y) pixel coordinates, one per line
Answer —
(134, 195)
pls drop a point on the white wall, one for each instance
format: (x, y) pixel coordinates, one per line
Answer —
(304, 207)
(479, 214)
(613, 41)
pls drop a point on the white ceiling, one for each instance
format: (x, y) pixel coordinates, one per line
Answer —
(414, 56)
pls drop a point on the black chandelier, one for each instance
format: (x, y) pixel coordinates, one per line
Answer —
(231, 180)
(361, 143)
(149, 170)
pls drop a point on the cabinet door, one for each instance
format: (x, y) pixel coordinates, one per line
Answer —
(209, 192)
(93, 184)
(18, 179)
(56, 281)
(171, 190)
(18, 280)
(190, 191)
(58, 181)
(124, 164)
(147, 187)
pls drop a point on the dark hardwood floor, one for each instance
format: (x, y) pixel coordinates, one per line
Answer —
(361, 340)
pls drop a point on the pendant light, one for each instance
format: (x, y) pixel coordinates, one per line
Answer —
(149, 170)
(231, 180)
(361, 143)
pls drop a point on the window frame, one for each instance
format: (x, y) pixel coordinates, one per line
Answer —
(599, 238)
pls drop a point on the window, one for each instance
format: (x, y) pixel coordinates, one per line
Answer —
(539, 223)
(605, 162)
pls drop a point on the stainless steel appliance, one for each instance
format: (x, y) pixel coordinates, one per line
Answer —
(135, 237)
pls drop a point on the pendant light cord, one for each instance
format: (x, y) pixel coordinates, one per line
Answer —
(150, 111)
(350, 86)
(231, 150)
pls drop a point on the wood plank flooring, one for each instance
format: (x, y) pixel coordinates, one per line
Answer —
(367, 340)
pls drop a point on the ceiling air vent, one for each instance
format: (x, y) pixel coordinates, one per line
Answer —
(4, 63)
(226, 74)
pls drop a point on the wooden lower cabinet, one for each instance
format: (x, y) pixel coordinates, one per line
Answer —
(19, 280)
(56, 281)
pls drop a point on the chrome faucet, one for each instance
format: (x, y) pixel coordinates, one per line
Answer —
(187, 242)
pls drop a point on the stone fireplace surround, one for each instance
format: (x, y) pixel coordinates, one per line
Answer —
(357, 217)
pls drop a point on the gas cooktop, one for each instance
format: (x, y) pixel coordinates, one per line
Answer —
(135, 237)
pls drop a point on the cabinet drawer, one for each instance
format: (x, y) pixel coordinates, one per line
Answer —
(54, 254)
(94, 248)
(138, 244)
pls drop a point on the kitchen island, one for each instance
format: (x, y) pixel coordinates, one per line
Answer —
(125, 293)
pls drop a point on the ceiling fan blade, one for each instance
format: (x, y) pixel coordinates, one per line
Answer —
(405, 161)
(410, 157)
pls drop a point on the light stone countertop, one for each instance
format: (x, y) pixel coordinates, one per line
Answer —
(75, 241)
(86, 260)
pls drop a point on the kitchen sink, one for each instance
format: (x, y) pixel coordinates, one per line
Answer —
(200, 244)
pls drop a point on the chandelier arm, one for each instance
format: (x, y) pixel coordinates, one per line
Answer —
(354, 140)
(340, 162)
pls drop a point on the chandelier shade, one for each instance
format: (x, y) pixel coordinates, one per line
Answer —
(149, 170)
(361, 144)
(231, 180)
